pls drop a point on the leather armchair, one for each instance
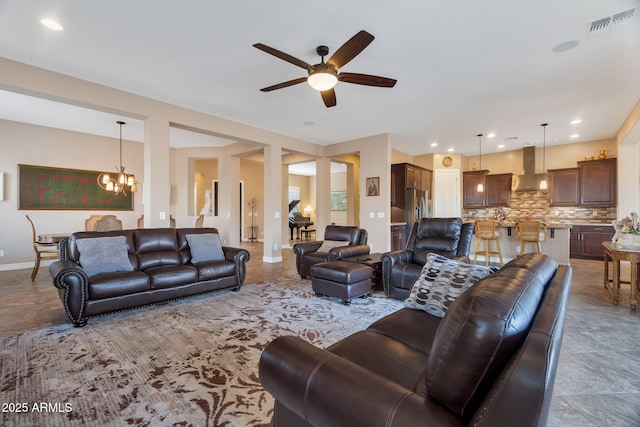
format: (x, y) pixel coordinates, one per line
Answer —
(445, 236)
(307, 253)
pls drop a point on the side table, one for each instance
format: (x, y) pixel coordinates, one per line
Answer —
(375, 262)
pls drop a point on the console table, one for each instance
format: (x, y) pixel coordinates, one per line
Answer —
(615, 254)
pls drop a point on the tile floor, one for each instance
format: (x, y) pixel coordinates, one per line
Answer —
(598, 378)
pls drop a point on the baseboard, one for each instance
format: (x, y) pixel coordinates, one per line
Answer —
(272, 259)
(23, 265)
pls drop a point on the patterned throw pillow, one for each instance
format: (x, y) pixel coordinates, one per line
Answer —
(441, 281)
(327, 245)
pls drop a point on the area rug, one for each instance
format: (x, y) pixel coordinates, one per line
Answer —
(192, 362)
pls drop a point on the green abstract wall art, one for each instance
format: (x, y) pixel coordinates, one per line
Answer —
(44, 187)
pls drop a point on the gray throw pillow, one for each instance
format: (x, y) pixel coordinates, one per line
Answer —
(104, 255)
(327, 245)
(441, 281)
(205, 247)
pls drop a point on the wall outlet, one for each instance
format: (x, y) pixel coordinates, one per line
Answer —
(1, 252)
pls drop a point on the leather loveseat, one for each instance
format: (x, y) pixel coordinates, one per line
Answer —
(155, 266)
(449, 237)
(489, 361)
(311, 253)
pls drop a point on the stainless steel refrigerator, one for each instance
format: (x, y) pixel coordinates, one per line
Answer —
(416, 206)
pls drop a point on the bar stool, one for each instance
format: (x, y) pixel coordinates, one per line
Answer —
(530, 232)
(487, 231)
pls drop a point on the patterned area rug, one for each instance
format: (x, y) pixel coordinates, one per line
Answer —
(190, 362)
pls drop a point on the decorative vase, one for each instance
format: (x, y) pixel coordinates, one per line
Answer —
(603, 154)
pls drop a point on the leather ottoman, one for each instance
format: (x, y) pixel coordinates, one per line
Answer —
(341, 279)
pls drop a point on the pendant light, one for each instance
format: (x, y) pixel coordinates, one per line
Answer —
(543, 183)
(121, 182)
(480, 188)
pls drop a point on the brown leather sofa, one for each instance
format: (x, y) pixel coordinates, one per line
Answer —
(449, 237)
(490, 361)
(307, 253)
(162, 270)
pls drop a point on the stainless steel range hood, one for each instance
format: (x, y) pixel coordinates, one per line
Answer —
(530, 180)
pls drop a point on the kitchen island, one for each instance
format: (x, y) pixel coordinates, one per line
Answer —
(556, 244)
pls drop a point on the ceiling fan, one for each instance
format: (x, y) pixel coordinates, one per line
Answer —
(324, 76)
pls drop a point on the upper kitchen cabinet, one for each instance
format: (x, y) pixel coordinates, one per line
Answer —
(598, 182)
(564, 185)
(406, 175)
(498, 189)
(471, 198)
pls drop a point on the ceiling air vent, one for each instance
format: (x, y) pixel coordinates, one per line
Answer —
(609, 23)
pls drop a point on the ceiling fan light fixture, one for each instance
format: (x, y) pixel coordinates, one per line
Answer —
(322, 80)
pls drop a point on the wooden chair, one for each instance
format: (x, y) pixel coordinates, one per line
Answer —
(141, 221)
(42, 250)
(487, 231)
(530, 232)
(108, 223)
(90, 223)
(200, 221)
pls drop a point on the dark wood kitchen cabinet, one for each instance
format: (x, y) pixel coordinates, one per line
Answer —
(586, 241)
(598, 182)
(564, 187)
(398, 237)
(498, 190)
(404, 176)
(471, 198)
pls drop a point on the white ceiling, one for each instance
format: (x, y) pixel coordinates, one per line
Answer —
(463, 68)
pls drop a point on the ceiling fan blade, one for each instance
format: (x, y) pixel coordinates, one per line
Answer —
(366, 79)
(350, 49)
(285, 56)
(284, 84)
(329, 97)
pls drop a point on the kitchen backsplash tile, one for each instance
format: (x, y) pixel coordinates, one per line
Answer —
(536, 204)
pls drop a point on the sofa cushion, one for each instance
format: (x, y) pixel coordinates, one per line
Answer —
(327, 245)
(103, 255)
(211, 270)
(116, 284)
(205, 247)
(442, 280)
(169, 276)
(482, 329)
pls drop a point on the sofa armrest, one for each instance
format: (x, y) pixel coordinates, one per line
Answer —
(326, 390)
(306, 247)
(73, 283)
(239, 257)
(341, 252)
(389, 259)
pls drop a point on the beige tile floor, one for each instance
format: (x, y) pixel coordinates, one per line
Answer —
(598, 378)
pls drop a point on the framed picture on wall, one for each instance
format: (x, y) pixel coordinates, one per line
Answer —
(373, 186)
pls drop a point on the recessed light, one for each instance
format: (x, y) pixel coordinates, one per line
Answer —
(491, 135)
(575, 135)
(501, 146)
(450, 150)
(434, 144)
(52, 24)
(576, 121)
